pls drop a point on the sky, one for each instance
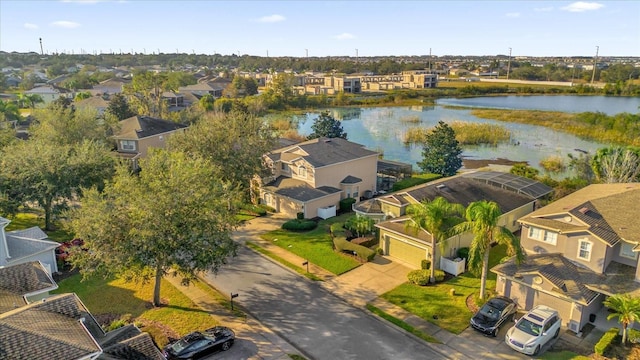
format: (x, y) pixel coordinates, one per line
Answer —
(323, 28)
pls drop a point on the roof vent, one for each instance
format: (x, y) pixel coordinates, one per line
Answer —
(584, 210)
(441, 186)
(327, 140)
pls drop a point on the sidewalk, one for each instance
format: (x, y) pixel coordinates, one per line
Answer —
(253, 340)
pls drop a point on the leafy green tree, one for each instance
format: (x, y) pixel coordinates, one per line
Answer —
(626, 309)
(10, 111)
(119, 107)
(50, 175)
(581, 167)
(67, 126)
(438, 217)
(29, 100)
(82, 95)
(360, 224)
(233, 142)
(145, 93)
(207, 102)
(481, 217)
(524, 170)
(326, 125)
(441, 152)
(172, 216)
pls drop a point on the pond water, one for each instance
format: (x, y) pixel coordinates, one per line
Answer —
(383, 129)
(609, 105)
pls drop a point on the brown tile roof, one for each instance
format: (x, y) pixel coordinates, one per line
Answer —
(570, 280)
(608, 211)
(51, 329)
(23, 279)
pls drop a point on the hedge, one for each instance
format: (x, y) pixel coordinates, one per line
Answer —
(342, 244)
(421, 277)
(338, 230)
(425, 264)
(299, 225)
(345, 205)
(254, 209)
(463, 253)
(606, 340)
(414, 180)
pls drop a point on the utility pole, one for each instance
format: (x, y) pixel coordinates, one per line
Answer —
(41, 50)
(306, 51)
(356, 60)
(595, 64)
(429, 63)
(508, 64)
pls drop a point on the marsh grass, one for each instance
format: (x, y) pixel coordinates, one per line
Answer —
(466, 134)
(412, 119)
(553, 164)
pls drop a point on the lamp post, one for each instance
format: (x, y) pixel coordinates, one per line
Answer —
(509, 64)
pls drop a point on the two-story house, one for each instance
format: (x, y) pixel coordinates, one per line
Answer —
(139, 133)
(312, 177)
(581, 249)
(516, 196)
(26, 245)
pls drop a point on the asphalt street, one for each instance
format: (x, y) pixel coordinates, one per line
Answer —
(316, 322)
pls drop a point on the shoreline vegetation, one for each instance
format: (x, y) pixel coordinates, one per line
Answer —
(467, 134)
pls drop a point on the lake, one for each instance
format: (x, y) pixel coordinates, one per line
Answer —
(382, 128)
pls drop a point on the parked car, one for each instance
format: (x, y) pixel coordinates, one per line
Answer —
(535, 329)
(493, 314)
(200, 344)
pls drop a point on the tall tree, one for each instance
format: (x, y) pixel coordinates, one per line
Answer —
(626, 309)
(66, 125)
(9, 111)
(481, 217)
(171, 216)
(438, 217)
(145, 93)
(119, 107)
(326, 125)
(616, 165)
(50, 175)
(233, 142)
(441, 151)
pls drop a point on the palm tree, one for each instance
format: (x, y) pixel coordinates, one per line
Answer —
(626, 309)
(437, 217)
(482, 219)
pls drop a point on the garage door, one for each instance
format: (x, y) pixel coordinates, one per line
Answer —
(406, 252)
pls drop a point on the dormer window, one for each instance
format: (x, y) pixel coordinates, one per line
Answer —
(302, 171)
(128, 145)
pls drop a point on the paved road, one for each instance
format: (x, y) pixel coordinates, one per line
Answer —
(312, 319)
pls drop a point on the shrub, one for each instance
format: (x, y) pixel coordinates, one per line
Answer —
(341, 244)
(380, 251)
(425, 264)
(606, 340)
(439, 275)
(345, 205)
(338, 230)
(299, 225)
(254, 209)
(419, 277)
(300, 216)
(414, 180)
(633, 335)
(366, 242)
(463, 253)
(267, 208)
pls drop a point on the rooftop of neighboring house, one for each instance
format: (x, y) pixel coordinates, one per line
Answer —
(298, 190)
(605, 210)
(139, 127)
(48, 89)
(25, 242)
(322, 152)
(22, 280)
(128, 343)
(95, 102)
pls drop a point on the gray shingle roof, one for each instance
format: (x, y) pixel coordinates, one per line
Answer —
(322, 152)
(351, 180)
(50, 329)
(569, 279)
(298, 190)
(19, 280)
(128, 343)
(138, 127)
(20, 247)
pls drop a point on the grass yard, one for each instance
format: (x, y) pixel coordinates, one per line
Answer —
(315, 245)
(30, 219)
(435, 300)
(114, 299)
(563, 355)
(284, 262)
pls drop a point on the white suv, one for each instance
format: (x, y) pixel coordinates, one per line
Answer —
(534, 330)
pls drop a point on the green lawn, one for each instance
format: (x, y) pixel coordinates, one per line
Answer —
(27, 220)
(403, 325)
(297, 268)
(105, 297)
(315, 245)
(435, 300)
(563, 355)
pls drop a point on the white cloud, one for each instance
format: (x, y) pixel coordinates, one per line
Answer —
(581, 6)
(30, 26)
(272, 18)
(544, 9)
(513, 15)
(65, 24)
(344, 36)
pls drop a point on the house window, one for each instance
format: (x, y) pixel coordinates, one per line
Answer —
(535, 233)
(302, 171)
(626, 251)
(584, 250)
(128, 145)
(356, 192)
(284, 167)
(550, 237)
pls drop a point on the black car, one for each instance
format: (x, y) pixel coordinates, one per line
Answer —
(200, 344)
(493, 314)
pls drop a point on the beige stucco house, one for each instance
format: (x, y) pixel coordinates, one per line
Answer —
(582, 248)
(312, 177)
(139, 133)
(515, 195)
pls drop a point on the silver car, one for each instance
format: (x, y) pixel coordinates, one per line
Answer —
(534, 330)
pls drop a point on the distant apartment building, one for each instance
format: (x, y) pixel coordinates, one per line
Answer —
(416, 79)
